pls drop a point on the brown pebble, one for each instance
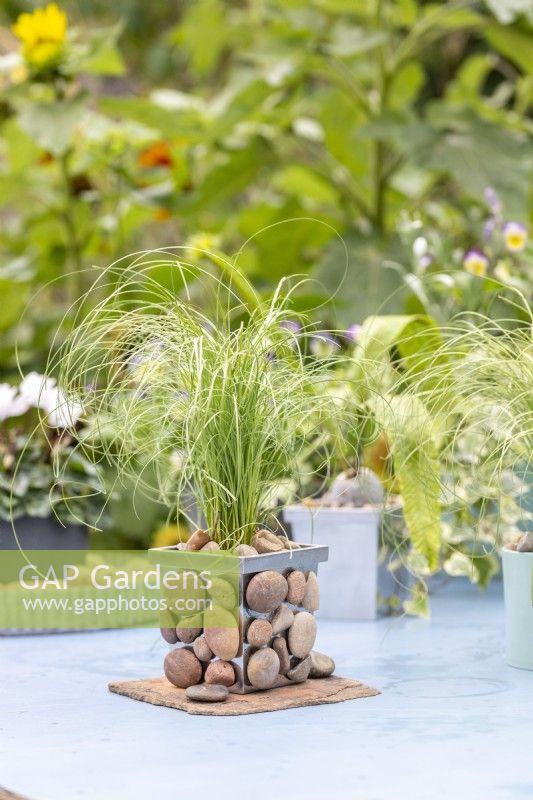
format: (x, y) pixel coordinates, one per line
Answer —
(245, 550)
(525, 543)
(282, 619)
(279, 646)
(296, 582)
(198, 540)
(182, 668)
(169, 635)
(221, 633)
(188, 635)
(311, 600)
(264, 543)
(302, 634)
(202, 649)
(259, 633)
(207, 693)
(263, 668)
(266, 591)
(300, 672)
(210, 546)
(220, 672)
(322, 666)
(290, 545)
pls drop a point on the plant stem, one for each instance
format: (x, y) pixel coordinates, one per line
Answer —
(73, 244)
(380, 150)
(242, 285)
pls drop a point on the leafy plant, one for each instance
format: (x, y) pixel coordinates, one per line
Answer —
(34, 452)
(481, 391)
(221, 412)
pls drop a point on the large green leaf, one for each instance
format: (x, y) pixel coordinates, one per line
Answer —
(415, 338)
(170, 124)
(516, 45)
(52, 125)
(204, 34)
(409, 430)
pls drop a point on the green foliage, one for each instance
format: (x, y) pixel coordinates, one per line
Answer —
(31, 487)
(217, 122)
(409, 430)
(221, 414)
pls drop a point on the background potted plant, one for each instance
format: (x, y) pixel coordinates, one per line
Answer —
(47, 486)
(221, 409)
(483, 390)
(388, 446)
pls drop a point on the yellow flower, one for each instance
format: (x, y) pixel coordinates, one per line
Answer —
(515, 236)
(169, 534)
(42, 34)
(476, 262)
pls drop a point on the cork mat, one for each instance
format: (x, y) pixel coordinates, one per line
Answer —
(160, 692)
(5, 794)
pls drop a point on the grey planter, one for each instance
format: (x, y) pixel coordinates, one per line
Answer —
(36, 533)
(305, 559)
(349, 581)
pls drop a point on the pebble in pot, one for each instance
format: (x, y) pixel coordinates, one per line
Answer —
(207, 693)
(245, 550)
(266, 591)
(169, 635)
(223, 593)
(182, 668)
(210, 547)
(263, 668)
(282, 619)
(201, 649)
(279, 645)
(322, 666)
(221, 633)
(188, 635)
(259, 633)
(311, 599)
(525, 543)
(267, 542)
(355, 490)
(220, 672)
(296, 582)
(198, 540)
(300, 671)
(302, 634)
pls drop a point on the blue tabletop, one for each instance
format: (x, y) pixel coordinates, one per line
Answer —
(453, 720)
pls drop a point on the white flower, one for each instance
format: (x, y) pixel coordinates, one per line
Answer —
(35, 388)
(420, 247)
(11, 404)
(62, 413)
(42, 392)
(277, 73)
(308, 128)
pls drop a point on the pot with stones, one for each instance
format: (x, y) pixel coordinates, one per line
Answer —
(271, 644)
(518, 590)
(347, 519)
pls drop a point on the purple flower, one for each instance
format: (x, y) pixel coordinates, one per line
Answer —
(291, 325)
(353, 332)
(425, 261)
(493, 201)
(489, 228)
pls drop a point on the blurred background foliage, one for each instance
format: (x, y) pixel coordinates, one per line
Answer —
(382, 148)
